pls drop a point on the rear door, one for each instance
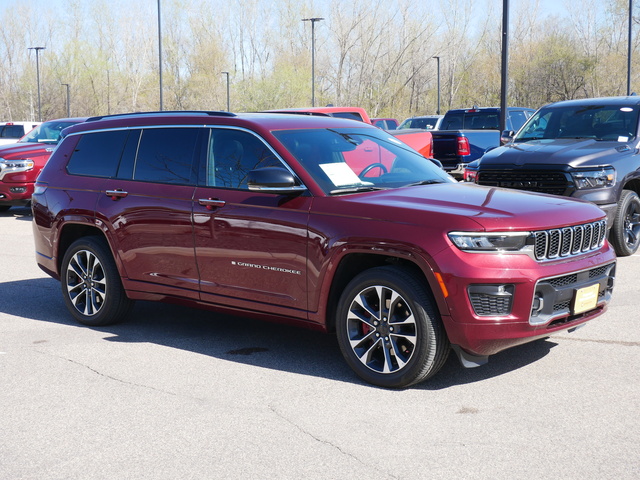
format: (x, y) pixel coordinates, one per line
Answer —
(149, 209)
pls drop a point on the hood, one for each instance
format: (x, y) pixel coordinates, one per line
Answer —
(471, 206)
(575, 153)
(23, 150)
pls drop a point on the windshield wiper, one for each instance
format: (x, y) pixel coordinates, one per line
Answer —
(424, 182)
(579, 137)
(347, 137)
(526, 139)
(364, 188)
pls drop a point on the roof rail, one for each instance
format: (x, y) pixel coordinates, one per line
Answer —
(298, 112)
(176, 112)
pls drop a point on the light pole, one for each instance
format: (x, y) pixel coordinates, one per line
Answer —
(438, 76)
(37, 49)
(313, 57)
(68, 99)
(504, 74)
(160, 51)
(228, 97)
(629, 48)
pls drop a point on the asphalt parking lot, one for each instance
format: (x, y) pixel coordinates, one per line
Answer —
(177, 393)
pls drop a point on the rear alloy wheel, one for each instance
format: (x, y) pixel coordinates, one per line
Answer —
(388, 329)
(91, 285)
(625, 232)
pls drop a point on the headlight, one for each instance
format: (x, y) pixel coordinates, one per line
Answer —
(603, 177)
(20, 165)
(490, 242)
(14, 166)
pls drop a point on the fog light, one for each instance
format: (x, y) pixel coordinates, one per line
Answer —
(491, 300)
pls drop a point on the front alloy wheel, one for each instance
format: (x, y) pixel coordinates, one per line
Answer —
(381, 329)
(388, 329)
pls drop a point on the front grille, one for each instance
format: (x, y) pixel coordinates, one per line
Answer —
(568, 241)
(555, 183)
(554, 297)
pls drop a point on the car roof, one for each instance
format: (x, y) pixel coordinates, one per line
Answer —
(486, 109)
(621, 101)
(426, 116)
(69, 119)
(254, 121)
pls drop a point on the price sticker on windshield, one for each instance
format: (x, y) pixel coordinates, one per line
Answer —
(586, 298)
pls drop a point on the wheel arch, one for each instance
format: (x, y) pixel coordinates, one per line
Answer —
(71, 232)
(353, 264)
(633, 184)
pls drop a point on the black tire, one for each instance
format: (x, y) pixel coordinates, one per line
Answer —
(393, 345)
(91, 285)
(625, 232)
(4, 208)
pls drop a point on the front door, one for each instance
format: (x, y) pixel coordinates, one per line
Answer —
(251, 248)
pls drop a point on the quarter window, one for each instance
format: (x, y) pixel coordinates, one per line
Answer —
(97, 154)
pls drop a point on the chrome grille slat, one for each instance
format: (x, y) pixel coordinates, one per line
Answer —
(569, 241)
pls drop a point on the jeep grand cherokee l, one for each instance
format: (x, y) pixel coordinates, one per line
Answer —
(316, 221)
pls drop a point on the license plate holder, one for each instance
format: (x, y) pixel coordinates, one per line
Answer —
(586, 298)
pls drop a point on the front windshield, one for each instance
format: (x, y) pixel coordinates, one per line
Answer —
(346, 160)
(600, 122)
(47, 132)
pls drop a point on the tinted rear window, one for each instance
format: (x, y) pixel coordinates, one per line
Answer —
(349, 115)
(165, 155)
(472, 121)
(97, 154)
(11, 131)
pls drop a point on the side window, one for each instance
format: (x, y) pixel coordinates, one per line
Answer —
(97, 154)
(517, 119)
(232, 154)
(165, 155)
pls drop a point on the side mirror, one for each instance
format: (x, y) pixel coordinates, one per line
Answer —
(506, 136)
(276, 180)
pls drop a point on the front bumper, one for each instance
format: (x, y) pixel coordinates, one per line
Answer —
(15, 194)
(496, 302)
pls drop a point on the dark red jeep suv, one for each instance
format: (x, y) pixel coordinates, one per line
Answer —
(318, 221)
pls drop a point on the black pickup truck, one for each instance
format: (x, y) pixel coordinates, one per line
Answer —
(587, 149)
(466, 134)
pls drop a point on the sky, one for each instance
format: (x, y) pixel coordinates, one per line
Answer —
(553, 7)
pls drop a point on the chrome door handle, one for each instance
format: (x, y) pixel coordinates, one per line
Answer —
(116, 194)
(212, 203)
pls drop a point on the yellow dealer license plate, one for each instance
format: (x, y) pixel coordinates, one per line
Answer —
(586, 298)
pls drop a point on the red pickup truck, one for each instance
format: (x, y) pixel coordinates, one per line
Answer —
(420, 140)
(21, 162)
